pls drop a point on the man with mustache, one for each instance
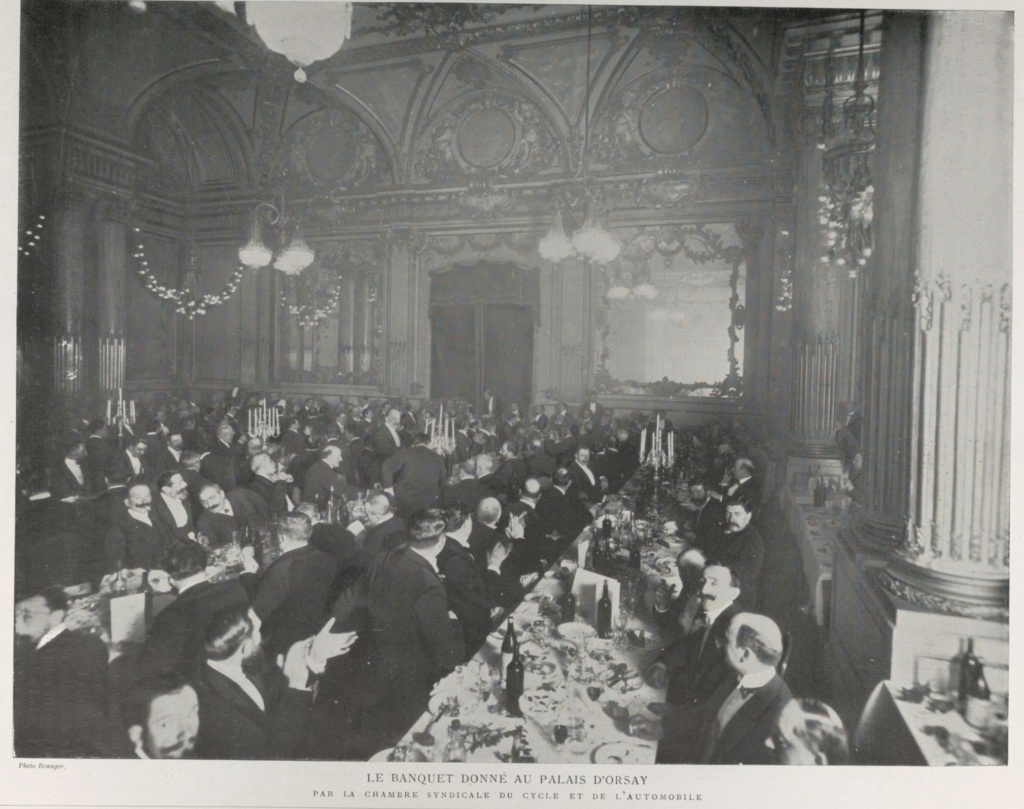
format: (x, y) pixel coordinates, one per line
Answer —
(162, 717)
(740, 547)
(695, 665)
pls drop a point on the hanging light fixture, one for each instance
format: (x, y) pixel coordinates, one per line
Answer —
(303, 32)
(294, 256)
(592, 241)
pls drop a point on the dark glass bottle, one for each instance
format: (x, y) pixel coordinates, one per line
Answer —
(969, 665)
(508, 645)
(634, 554)
(819, 494)
(979, 699)
(568, 605)
(120, 587)
(604, 614)
(147, 590)
(514, 679)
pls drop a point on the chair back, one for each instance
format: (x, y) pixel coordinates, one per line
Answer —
(787, 648)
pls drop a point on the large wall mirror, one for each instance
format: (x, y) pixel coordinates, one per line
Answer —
(672, 313)
(332, 317)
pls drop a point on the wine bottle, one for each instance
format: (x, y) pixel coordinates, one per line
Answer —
(568, 605)
(147, 589)
(979, 699)
(607, 527)
(604, 615)
(514, 680)
(120, 587)
(508, 645)
(634, 555)
(969, 665)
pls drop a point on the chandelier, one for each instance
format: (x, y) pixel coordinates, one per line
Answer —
(303, 32)
(592, 240)
(292, 258)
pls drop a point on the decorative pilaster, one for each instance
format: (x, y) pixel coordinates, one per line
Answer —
(71, 231)
(112, 253)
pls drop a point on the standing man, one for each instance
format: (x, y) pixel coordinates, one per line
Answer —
(322, 479)
(415, 475)
(386, 441)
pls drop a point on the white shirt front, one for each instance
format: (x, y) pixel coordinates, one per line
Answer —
(735, 700)
(239, 679)
(394, 434)
(175, 453)
(141, 516)
(50, 635)
(135, 462)
(590, 474)
(177, 509)
(76, 470)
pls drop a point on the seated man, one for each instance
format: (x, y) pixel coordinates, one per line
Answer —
(733, 724)
(227, 517)
(740, 548)
(386, 529)
(172, 512)
(694, 666)
(60, 682)
(496, 552)
(270, 484)
(162, 717)
(249, 707)
(134, 541)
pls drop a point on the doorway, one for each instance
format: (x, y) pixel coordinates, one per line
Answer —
(482, 320)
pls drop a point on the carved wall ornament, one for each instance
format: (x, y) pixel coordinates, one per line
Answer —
(488, 136)
(336, 151)
(938, 603)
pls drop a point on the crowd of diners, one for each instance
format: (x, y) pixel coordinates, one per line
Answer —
(330, 650)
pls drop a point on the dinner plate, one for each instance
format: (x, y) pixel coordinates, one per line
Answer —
(648, 641)
(576, 631)
(622, 753)
(544, 669)
(541, 705)
(383, 755)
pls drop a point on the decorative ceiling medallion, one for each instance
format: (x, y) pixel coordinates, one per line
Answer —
(674, 120)
(486, 137)
(335, 150)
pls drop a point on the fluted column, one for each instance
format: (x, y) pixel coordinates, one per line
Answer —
(954, 550)
(71, 234)
(111, 271)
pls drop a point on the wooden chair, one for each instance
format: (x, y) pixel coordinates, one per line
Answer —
(787, 648)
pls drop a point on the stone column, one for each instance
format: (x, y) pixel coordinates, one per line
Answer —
(71, 237)
(954, 551)
(111, 270)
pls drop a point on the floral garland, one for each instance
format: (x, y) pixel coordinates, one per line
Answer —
(187, 301)
(310, 315)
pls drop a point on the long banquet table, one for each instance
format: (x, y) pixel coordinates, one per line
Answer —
(467, 718)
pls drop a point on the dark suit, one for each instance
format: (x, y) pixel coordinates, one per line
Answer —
(696, 662)
(492, 407)
(400, 608)
(119, 469)
(273, 492)
(384, 446)
(175, 640)
(60, 698)
(132, 543)
(293, 442)
(383, 537)
(591, 492)
(320, 480)
(535, 551)
(689, 734)
(162, 461)
(505, 589)
(469, 492)
(465, 447)
(418, 474)
(232, 726)
(221, 466)
(743, 553)
(63, 483)
(596, 416)
(250, 513)
(291, 597)
(98, 453)
(564, 513)
(467, 593)
(164, 522)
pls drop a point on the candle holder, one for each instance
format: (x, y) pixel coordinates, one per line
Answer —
(264, 422)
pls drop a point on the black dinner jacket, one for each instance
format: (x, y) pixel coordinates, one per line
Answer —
(505, 589)
(220, 465)
(163, 520)
(291, 597)
(694, 673)
(564, 513)
(98, 453)
(119, 469)
(743, 553)
(232, 726)
(741, 741)
(175, 640)
(273, 492)
(319, 480)
(590, 491)
(382, 538)
(133, 544)
(418, 474)
(64, 484)
(469, 596)
(469, 492)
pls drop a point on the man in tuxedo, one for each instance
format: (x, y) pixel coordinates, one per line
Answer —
(742, 483)
(174, 641)
(740, 547)
(162, 718)
(322, 479)
(249, 708)
(585, 482)
(561, 511)
(60, 682)
(539, 464)
(270, 485)
(465, 446)
(387, 531)
(168, 455)
(733, 724)
(68, 481)
(98, 450)
(468, 491)
(415, 475)
(399, 605)
(294, 440)
(172, 512)
(291, 594)
(386, 441)
(591, 410)
(483, 542)
(511, 474)
(226, 517)
(129, 464)
(536, 551)
(134, 541)
(220, 464)
(492, 405)
(540, 419)
(694, 666)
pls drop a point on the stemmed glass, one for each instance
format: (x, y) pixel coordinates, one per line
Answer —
(569, 726)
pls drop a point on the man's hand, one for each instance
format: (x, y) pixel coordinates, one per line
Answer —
(498, 554)
(325, 645)
(657, 675)
(249, 559)
(516, 526)
(663, 595)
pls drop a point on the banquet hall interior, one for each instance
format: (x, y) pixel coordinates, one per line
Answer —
(765, 253)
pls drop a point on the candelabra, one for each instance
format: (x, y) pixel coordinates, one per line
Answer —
(442, 441)
(121, 413)
(264, 422)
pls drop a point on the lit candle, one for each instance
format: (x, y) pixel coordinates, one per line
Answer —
(108, 411)
(643, 442)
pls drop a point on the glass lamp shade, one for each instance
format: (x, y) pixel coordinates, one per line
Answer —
(597, 244)
(556, 245)
(646, 291)
(255, 254)
(618, 292)
(303, 32)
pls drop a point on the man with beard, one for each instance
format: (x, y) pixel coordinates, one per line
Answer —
(162, 717)
(249, 707)
(134, 541)
(172, 512)
(695, 665)
(740, 548)
(226, 517)
(703, 515)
